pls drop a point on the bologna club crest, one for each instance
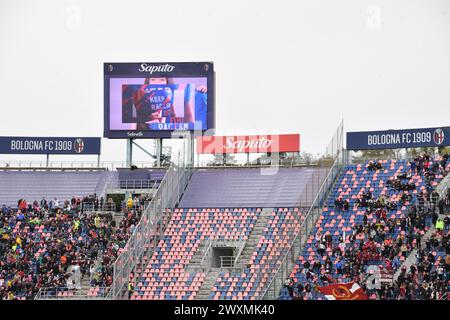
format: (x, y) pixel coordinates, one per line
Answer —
(79, 145)
(438, 136)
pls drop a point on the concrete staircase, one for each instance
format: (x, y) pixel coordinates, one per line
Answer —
(312, 187)
(253, 239)
(208, 284)
(411, 259)
(82, 293)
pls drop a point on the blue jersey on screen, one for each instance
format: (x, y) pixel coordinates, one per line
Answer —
(201, 106)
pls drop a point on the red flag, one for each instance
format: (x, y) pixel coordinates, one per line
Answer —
(344, 291)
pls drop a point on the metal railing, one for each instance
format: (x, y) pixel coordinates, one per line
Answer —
(240, 248)
(92, 207)
(444, 296)
(109, 165)
(227, 261)
(150, 228)
(285, 268)
(206, 254)
(114, 165)
(239, 163)
(133, 184)
(336, 143)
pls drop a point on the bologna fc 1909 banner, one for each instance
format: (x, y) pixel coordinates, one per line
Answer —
(392, 139)
(39, 145)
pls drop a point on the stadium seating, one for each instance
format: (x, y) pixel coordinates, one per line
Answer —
(250, 187)
(168, 272)
(137, 179)
(166, 275)
(31, 186)
(63, 185)
(264, 263)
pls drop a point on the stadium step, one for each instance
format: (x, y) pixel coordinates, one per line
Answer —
(254, 237)
(208, 284)
(198, 255)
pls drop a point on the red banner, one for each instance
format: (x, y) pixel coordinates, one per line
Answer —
(248, 144)
(344, 291)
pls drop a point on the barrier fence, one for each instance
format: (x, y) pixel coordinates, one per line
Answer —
(75, 165)
(114, 165)
(151, 226)
(64, 293)
(93, 207)
(132, 184)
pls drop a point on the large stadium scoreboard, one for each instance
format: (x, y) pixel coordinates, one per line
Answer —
(152, 100)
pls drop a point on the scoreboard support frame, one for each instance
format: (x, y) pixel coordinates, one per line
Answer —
(159, 143)
(159, 151)
(129, 154)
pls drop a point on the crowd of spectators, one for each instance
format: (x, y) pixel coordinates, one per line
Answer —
(341, 204)
(426, 279)
(424, 163)
(40, 243)
(387, 243)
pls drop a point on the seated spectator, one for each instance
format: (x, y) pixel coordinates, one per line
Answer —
(346, 205)
(321, 249)
(374, 166)
(339, 203)
(440, 224)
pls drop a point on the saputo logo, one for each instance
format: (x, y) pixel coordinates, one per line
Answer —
(151, 68)
(242, 145)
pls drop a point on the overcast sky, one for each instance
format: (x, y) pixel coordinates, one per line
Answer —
(286, 66)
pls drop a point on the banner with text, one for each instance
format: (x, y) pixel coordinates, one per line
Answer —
(393, 139)
(39, 145)
(248, 144)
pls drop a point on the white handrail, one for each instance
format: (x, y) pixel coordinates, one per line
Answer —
(206, 254)
(51, 293)
(238, 254)
(227, 261)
